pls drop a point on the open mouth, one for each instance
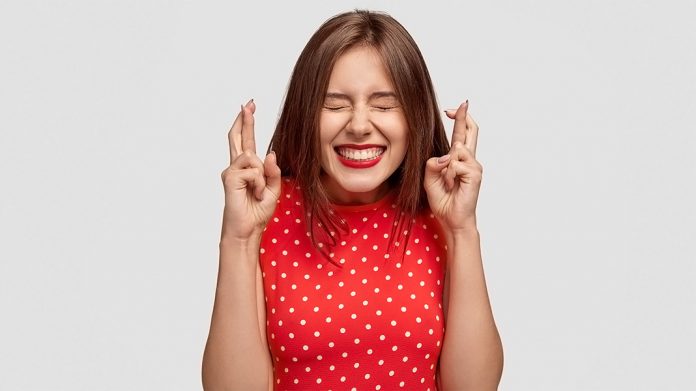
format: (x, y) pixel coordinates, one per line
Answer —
(361, 154)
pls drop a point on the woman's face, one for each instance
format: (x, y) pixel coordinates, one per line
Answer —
(362, 129)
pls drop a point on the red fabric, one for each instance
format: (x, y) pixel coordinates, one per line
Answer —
(376, 323)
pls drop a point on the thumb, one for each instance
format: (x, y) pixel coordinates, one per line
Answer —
(272, 173)
(434, 165)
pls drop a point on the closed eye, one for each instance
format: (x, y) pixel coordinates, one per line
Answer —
(385, 108)
(335, 108)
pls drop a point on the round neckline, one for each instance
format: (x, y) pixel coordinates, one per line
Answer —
(388, 198)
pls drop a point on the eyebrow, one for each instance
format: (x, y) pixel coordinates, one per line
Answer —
(374, 95)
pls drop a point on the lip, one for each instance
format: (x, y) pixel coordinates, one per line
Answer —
(359, 146)
(358, 164)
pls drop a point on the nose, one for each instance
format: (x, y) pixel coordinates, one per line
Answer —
(360, 124)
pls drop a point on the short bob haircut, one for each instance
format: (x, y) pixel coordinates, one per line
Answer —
(296, 137)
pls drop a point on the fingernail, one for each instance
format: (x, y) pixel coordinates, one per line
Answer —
(242, 107)
(443, 159)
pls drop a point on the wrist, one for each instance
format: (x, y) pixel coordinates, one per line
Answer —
(241, 244)
(463, 232)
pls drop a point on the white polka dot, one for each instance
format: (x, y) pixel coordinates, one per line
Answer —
(380, 362)
(303, 322)
(343, 378)
(342, 330)
(368, 326)
(356, 340)
(328, 319)
(391, 373)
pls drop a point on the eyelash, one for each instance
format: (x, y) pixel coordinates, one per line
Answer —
(380, 108)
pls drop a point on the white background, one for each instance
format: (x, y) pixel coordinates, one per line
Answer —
(113, 135)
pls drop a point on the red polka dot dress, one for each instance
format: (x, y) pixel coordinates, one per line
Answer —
(373, 323)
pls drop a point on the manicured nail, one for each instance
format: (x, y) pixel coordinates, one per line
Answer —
(443, 159)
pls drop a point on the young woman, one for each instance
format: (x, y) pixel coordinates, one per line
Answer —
(350, 256)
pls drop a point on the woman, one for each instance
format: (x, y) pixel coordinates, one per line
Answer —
(350, 256)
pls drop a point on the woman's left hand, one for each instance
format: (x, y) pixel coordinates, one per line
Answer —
(452, 182)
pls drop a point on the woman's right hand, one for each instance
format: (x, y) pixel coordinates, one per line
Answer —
(252, 186)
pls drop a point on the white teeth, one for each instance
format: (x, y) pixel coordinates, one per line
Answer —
(360, 154)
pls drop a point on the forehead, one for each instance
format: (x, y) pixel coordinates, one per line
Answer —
(359, 70)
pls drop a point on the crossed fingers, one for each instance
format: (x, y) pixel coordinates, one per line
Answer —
(241, 134)
(465, 129)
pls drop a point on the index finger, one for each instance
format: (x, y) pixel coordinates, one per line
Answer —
(460, 125)
(472, 139)
(248, 139)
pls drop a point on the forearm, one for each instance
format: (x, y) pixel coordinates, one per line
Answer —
(236, 358)
(472, 354)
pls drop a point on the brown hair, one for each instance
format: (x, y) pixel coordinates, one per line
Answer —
(296, 137)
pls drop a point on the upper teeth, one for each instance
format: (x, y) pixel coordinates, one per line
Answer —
(360, 154)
